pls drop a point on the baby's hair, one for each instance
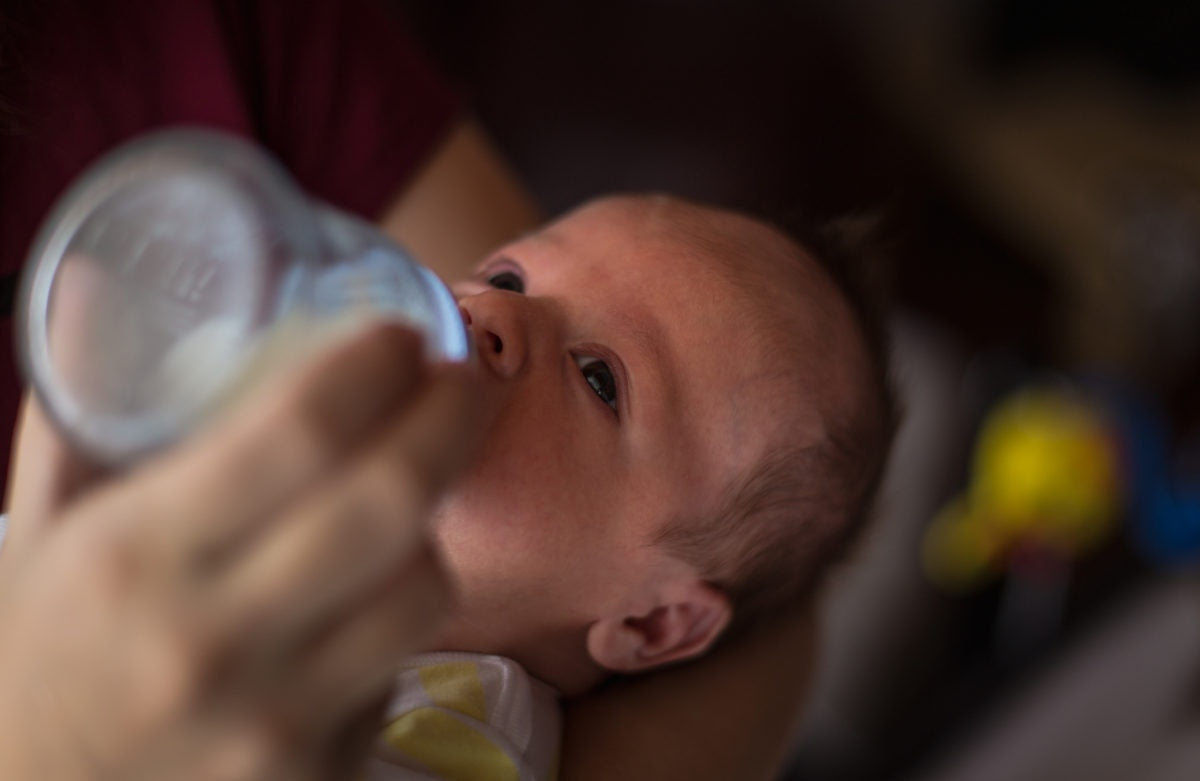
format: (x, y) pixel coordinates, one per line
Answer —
(778, 528)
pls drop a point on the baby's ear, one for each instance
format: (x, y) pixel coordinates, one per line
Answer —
(687, 619)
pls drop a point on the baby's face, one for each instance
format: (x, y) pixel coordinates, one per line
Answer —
(622, 392)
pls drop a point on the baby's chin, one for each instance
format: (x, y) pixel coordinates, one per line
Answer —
(474, 628)
(455, 634)
(450, 535)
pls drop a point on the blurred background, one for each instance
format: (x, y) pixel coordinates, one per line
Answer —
(1026, 605)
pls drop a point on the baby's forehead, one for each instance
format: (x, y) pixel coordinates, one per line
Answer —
(763, 286)
(668, 219)
(773, 304)
(761, 332)
(798, 333)
(748, 253)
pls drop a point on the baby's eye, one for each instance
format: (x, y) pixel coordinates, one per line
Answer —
(600, 377)
(507, 280)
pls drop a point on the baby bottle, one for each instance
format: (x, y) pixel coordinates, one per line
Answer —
(181, 265)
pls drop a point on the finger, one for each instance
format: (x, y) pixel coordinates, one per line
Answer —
(288, 436)
(332, 701)
(318, 715)
(352, 531)
(355, 659)
(46, 473)
(356, 663)
(348, 750)
(87, 305)
(281, 738)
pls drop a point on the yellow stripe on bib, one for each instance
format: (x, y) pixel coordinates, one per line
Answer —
(456, 686)
(448, 747)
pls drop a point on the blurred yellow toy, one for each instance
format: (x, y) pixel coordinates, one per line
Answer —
(1045, 474)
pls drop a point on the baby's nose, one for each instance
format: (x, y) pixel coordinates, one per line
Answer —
(501, 339)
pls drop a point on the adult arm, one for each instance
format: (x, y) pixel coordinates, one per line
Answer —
(727, 716)
(462, 204)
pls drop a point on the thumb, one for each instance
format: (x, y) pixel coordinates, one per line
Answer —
(45, 473)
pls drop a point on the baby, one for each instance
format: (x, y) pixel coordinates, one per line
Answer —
(687, 419)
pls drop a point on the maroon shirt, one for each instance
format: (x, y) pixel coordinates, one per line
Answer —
(335, 88)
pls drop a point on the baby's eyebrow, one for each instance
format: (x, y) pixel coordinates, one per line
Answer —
(656, 367)
(547, 235)
(648, 333)
(498, 256)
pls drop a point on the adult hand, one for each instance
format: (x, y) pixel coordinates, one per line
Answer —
(232, 609)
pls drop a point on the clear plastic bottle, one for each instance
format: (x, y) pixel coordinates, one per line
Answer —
(185, 262)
